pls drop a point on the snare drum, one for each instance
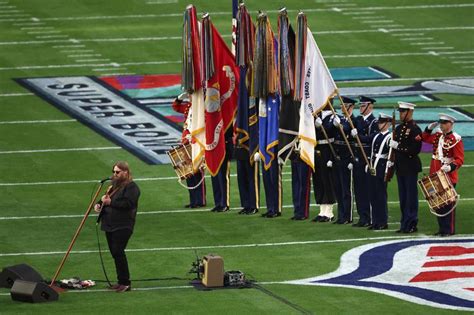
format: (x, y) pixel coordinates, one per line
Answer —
(180, 157)
(439, 192)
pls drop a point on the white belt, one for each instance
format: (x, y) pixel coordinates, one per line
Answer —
(445, 160)
(381, 156)
(325, 141)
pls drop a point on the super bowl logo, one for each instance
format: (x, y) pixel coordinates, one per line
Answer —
(434, 272)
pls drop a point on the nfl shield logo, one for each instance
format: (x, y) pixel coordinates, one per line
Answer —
(434, 272)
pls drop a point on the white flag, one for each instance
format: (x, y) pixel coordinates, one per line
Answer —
(319, 88)
(197, 128)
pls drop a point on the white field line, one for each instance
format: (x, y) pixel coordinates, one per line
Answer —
(254, 245)
(28, 23)
(416, 38)
(36, 28)
(51, 36)
(77, 51)
(359, 15)
(15, 94)
(409, 34)
(84, 55)
(460, 57)
(92, 60)
(379, 72)
(12, 122)
(164, 38)
(107, 69)
(468, 61)
(44, 32)
(228, 13)
(60, 150)
(426, 43)
(162, 2)
(376, 21)
(179, 61)
(73, 182)
(68, 46)
(437, 48)
(176, 211)
(467, 67)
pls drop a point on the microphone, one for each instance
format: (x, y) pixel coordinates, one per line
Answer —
(105, 179)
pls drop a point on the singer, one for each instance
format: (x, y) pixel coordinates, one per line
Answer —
(117, 211)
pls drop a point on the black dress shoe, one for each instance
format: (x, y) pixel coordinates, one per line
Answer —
(299, 218)
(243, 211)
(399, 231)
(437, 234)
(360, 224)
(271, 215)
(317, 219)
(372, 227)
(381, 227)
(412, 230)
(199, 206)
(445, 234)
(187, 206)
(252, 211)
(347, 222)
(264, 214)
(223, 209)
(215, 209)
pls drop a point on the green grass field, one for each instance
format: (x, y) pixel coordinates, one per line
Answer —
(44, 194)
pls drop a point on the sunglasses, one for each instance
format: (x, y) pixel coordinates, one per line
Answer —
(117, 172)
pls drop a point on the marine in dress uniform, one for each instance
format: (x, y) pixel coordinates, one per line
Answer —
(221, 182)
(344, 167)
(377, 185)
(448, 155)
(197, 196)
(323, 176)
(407, 146)
(248, 180)
(365, 126)
(301, 186)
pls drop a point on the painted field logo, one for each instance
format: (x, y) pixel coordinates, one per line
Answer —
(434, 272)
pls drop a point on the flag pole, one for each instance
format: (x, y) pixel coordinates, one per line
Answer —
(343, 134)
(344, 110)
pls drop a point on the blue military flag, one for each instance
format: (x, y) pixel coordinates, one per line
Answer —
(268, 127)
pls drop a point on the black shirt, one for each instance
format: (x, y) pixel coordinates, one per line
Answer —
(121, 212)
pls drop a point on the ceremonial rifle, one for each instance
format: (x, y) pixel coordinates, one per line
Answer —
(389, 169)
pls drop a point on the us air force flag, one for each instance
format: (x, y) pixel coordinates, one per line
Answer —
(268, 127)
(319, 88)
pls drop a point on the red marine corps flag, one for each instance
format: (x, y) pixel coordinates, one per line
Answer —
(222, 77)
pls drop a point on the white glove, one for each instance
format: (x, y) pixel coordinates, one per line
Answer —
(354, 132)
(318, 123)
(433, 125)
(393, 144)
(280, 161)
(329, 163)
(366, 168)
(350, 166)
(183, 96)
(390, 164)
(336, 121)
(256, 157)
(188, 137)
(446, 168)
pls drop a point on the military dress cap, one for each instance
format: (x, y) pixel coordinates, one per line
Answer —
(384, 117)
(405, 105)
(348, 101)
(446, 117)
(365, 99)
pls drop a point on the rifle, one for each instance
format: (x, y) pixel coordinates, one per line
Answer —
(391, 155)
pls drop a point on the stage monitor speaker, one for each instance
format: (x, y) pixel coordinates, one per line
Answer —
(21, 271)
(213, 271)
(32, 292)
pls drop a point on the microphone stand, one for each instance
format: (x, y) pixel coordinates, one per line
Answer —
(79, 229)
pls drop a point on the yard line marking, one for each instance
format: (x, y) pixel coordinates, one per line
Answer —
(416, 38)
(162, 2)
(36, 28)
(84, 55)
(131, 39)
(16, 94)
(437, 48)
(116, 73)
(107, 69)
(37, 121)
(52, 36)
(68, 46)
(376, 21)
(254, 245)
(426, 43)
(180, 14)
(92, 60)
(360, 15)
(76, 51)
(467, 67)
(379, 72)
(44, 32)
(460, 57)
(468, 61)
(175, 211)
(409, 34)
(60, 150)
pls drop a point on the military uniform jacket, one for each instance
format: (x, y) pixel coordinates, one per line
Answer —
(365, 128)
(379, 152)
(339, 144)
(447, 149)
(408, 136)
